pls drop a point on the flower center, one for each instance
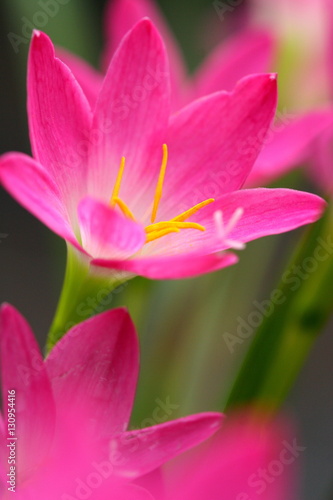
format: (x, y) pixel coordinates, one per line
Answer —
(156, 230)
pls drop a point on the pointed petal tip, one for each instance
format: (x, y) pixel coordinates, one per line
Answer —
(264, 78)
(145, 23)
(121, 312)
(41, 41)
(145, 27)
(6, 310)
(40, 36)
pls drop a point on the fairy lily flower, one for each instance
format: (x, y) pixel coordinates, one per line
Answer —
(71, 412)
(243, 461)
(134, 190)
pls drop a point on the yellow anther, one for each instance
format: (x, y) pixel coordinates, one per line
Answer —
(159, 187)
(116, 188)
(191, 211)
(158, 234)
(124, 208)
(178, 225)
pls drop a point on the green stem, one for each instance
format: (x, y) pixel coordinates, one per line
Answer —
(85, 292)
(304, 303)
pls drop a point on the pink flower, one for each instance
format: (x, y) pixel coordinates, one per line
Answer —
(136, 190)
(245, 461)
(72, 411)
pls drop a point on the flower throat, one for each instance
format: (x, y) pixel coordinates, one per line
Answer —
(156, 230)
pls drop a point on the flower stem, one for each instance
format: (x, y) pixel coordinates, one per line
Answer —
(86, 291)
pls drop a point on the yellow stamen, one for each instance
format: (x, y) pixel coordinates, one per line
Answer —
(156, 230)
(158, 234)
(124, 208)
(191, 211)
(159, 187)
(116, 188)
(179, 225)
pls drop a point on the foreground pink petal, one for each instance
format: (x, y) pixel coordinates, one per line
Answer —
(35, 189)
(122, 15)
(232, 128)
(73, 408)
(134, 104)
(260, 212)
(106, 233)
(173, 266)
(264, 212)
(59, 114)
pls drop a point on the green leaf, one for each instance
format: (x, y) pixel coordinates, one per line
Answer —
(286, 335)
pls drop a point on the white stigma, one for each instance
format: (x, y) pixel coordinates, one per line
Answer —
(224, 230)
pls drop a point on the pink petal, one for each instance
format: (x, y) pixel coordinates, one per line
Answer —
(22, 370)
(106, 233)
(137, 453)
(231, 465)
(89, 79)
(59, 120)
(214, 142)
(67, 482)
(161, 267)
(266, 211)
(29, 183)
(243, 54)
(131, 117)
(287, 146)
(122, 15)
(94, 371)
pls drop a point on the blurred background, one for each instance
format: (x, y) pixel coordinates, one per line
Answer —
(181, 323)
